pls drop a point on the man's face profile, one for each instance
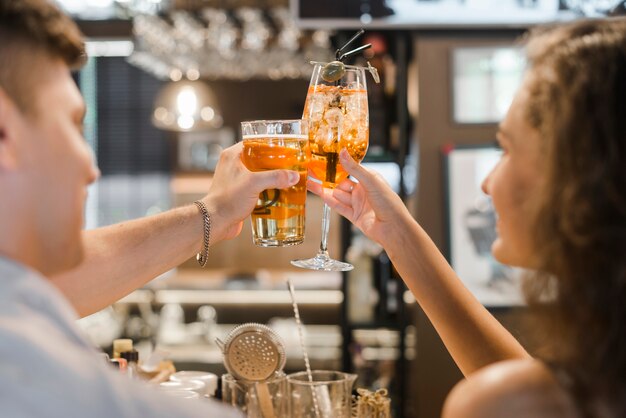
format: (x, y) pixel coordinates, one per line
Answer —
(52, 165)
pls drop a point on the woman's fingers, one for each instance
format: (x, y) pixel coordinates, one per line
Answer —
(336, 205)
(343, 191)
(314, 187)
(343, 196)
(356, 170)
(346, 185)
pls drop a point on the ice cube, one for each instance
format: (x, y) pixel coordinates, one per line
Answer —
(333, 117)
(355, 85)
(356, 102)
(323, 135)
(351, 104)
(315, 107)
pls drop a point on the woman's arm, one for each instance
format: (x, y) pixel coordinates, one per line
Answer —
(471, 334)
(120, 258)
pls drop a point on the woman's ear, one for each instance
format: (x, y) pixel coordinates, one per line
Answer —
(8, 137)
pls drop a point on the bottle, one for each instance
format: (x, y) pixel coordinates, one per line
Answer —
(132, 357)
(120, 364)
(121, 345)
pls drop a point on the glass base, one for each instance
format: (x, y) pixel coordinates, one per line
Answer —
(274, 242)
(322, 262)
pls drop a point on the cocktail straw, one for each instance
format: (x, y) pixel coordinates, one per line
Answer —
(355, 37)
(354, 51)
(307, 365)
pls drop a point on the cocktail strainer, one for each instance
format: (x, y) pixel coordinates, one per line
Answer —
(253, 352)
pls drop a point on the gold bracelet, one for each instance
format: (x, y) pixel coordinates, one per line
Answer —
(203, 256)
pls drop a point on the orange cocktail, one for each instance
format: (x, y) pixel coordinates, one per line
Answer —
(338, 118)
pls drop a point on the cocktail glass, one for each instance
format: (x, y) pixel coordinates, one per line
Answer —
(338, 118)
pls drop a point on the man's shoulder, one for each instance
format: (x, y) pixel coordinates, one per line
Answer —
(67, 379)
(514, 388)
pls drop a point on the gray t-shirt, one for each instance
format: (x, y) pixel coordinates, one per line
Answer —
(47, 368)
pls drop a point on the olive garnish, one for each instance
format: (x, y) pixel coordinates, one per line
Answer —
(333, 71)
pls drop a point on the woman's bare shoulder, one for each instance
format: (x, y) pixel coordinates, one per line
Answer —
(514, 388)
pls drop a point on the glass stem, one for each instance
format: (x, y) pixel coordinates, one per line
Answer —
(325, 227)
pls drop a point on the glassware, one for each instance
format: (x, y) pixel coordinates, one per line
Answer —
(244, 396)
(235, 44)
(338, 118)
(182, 394)
(209, 380)
(196, 386)
(329, 395)
(278, 218)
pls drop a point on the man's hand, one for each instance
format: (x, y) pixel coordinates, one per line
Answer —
(235, 190)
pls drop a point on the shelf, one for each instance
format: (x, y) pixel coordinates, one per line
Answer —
(229, 287)
(233, 297)
(374, 325)
(323, 344)
(248, 297)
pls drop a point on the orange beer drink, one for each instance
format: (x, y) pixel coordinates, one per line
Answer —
(278, 219)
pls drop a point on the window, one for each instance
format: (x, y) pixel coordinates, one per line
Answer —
(133, 156)
(484, 80)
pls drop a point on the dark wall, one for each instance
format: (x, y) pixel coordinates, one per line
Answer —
(259, 99)
(128, 143)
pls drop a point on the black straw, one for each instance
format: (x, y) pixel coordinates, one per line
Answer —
(354, 51)
(354, 38)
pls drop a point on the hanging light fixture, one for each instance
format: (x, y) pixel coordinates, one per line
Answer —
(185, 106)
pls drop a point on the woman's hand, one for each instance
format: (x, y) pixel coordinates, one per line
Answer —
(370, 204)
(235, 190)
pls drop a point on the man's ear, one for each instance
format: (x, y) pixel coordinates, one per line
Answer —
(8, 137)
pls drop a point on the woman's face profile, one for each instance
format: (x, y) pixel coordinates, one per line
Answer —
(514, 184)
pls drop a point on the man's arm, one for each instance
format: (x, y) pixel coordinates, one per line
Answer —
(120, 258)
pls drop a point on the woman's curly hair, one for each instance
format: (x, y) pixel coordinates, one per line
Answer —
(577, 86)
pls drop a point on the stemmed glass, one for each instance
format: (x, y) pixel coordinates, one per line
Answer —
(338, 118)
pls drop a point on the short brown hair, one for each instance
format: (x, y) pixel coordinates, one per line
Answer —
(577, 87)
(30, 30)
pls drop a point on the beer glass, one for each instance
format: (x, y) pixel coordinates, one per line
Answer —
(278, 218)
(338, 118)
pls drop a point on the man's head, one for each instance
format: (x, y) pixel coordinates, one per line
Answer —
(45, 164)
(33, 31)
